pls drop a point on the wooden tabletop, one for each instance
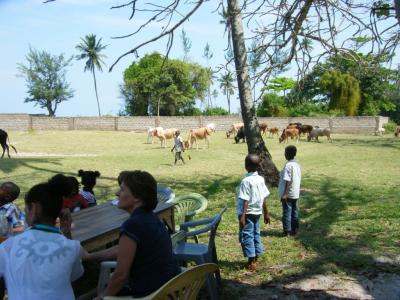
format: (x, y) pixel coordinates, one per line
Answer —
(100, 224)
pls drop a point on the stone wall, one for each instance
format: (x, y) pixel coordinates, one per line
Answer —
(24, 122)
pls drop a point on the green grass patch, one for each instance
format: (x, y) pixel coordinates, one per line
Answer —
(349, 207)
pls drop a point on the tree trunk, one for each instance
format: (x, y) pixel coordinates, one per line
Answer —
(95, 89)
(255, 142)
(50, 109)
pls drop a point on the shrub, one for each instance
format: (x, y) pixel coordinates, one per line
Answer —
(390, 127)
(215, 111)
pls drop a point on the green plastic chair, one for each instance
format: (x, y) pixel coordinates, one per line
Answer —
(187, 206)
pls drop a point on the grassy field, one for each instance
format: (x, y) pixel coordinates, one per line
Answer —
(350, 211)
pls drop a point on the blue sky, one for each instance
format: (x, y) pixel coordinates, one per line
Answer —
(57, 27)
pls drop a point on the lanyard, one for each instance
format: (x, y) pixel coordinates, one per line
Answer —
(46, 228)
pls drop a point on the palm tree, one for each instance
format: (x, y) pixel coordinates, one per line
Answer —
(90, 49)
(226, 83)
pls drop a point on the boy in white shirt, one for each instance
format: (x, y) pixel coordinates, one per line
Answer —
(289, 192)
(251, 204)
(178, 147)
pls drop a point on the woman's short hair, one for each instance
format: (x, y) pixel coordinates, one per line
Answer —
(142, 185)
(50, 195)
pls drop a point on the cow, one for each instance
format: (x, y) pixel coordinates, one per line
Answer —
(316, 132)
(211, 126)
(164, 135)
(263, 128)
(3, 141)
(240, 135)
(397, 132)
(151, 133)
(306, 129)
(273, 131)
(233, 129)
(289, 132)
(296, 124)
(199, 134)
(380, 131)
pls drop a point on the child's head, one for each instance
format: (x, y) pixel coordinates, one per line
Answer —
(9, 191)
(290, 152)
(177, 133)
(75, 185)
(251, 162)
(44, 201)
(88, 178)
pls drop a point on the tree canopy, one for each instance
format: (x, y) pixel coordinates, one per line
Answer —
(45, 79)
(377, 83)
(159, 86)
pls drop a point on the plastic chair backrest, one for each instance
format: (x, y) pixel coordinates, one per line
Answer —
(213, 231)
(185, 285)
(164, 194)
(193, 201)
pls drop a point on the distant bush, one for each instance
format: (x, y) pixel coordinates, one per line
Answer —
(191, 111)
(215, 111)
(390, 126)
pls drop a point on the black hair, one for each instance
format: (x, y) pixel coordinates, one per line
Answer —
(88, 178)
(12, 190)
(75, 185)
(142, 185)
(251, 162)
(290, 152)
(50, 196)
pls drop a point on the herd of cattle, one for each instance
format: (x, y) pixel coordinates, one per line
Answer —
(292, 130)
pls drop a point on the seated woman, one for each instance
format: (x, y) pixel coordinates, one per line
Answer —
(144, 251)
(40, 263)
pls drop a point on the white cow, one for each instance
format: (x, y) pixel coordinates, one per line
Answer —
(152, 132)
(380, 131)
(211, 126)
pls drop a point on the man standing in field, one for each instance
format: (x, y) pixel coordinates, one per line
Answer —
(178, 146)
(289, 192)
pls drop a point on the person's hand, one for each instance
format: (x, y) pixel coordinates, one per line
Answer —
(242, 221)
(267, 219)
(284, 197)
(172, 149)
(65, 221)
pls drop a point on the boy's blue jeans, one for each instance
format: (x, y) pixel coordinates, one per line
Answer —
(290, 216)
(250, 238)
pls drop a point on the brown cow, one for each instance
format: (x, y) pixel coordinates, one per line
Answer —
(397, 132)
(273, 131)
(164, 135)
(289, 132)
(199, 134)
(263, 127)
(234, 129)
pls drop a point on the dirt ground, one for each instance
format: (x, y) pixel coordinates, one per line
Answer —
(381, 286)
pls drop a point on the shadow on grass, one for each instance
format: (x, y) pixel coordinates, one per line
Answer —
(334, 250)
(9, 165)
(379, 142)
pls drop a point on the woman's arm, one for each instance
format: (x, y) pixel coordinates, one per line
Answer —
(107, 254)
(126, 255)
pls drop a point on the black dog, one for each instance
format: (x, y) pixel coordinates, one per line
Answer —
(240, 135)
(88, 180)
(3, 141)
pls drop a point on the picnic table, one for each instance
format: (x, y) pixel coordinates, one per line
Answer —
(99, 225)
